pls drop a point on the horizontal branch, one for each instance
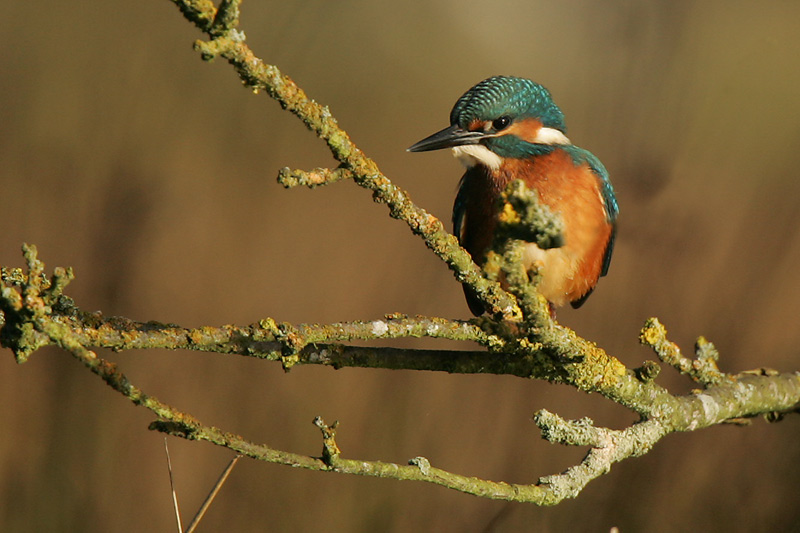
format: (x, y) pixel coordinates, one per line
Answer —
(521, 336)
(557, 354)
(35, 313)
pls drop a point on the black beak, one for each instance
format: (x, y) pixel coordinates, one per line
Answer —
(447, 138)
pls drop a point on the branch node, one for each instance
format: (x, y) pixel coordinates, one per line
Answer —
(774, 416)
(61, 278)
(330, 450)
(26, 301)
(208, 49)
(226, 19)
(568, 432)
(422, 463)
(647, 372)
(702, 370)
(763, 371)
(705, 350)
(173, 428)
(291, 340)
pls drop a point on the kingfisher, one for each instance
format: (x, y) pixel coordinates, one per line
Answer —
(507, 128)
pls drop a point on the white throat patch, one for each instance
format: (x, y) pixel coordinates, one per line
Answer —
(471, 155)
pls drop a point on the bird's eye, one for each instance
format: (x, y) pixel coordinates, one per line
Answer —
(501, 123)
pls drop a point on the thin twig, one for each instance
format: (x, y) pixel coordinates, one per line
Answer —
(36, 313)
(172, 488)
(213, 494)
(29, 320)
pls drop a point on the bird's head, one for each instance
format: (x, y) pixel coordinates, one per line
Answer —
(500, 117)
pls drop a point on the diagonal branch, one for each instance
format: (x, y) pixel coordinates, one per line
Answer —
(521, 337)
(228, 43)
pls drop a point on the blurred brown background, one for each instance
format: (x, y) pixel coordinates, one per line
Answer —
(153, 175)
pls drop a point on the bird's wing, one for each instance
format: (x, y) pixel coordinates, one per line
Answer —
(459, 210)
(459, 227)
(580, 156)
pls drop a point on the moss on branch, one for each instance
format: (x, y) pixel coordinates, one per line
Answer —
(520, 337)
(37, 313)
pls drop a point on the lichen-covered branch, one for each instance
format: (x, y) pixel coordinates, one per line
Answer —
(520, 337)
(36, 313)
(703, 370)
(319, 176)
(228, 42)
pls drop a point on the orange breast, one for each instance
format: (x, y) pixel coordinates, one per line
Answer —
(571, 271)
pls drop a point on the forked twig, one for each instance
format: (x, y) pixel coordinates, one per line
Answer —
(520, 335)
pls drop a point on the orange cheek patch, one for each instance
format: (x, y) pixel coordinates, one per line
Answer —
(526, 130)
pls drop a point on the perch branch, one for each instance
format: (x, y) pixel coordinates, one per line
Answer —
(32, 307)
(227, 42)
(521, 336)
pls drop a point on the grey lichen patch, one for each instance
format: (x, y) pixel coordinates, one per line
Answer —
(422, 463)
(569, 432)
(524, 339)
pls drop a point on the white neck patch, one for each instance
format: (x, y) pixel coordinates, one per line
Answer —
(471, 155)
(550, 136)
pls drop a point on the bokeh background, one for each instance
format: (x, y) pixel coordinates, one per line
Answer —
(153, 173)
